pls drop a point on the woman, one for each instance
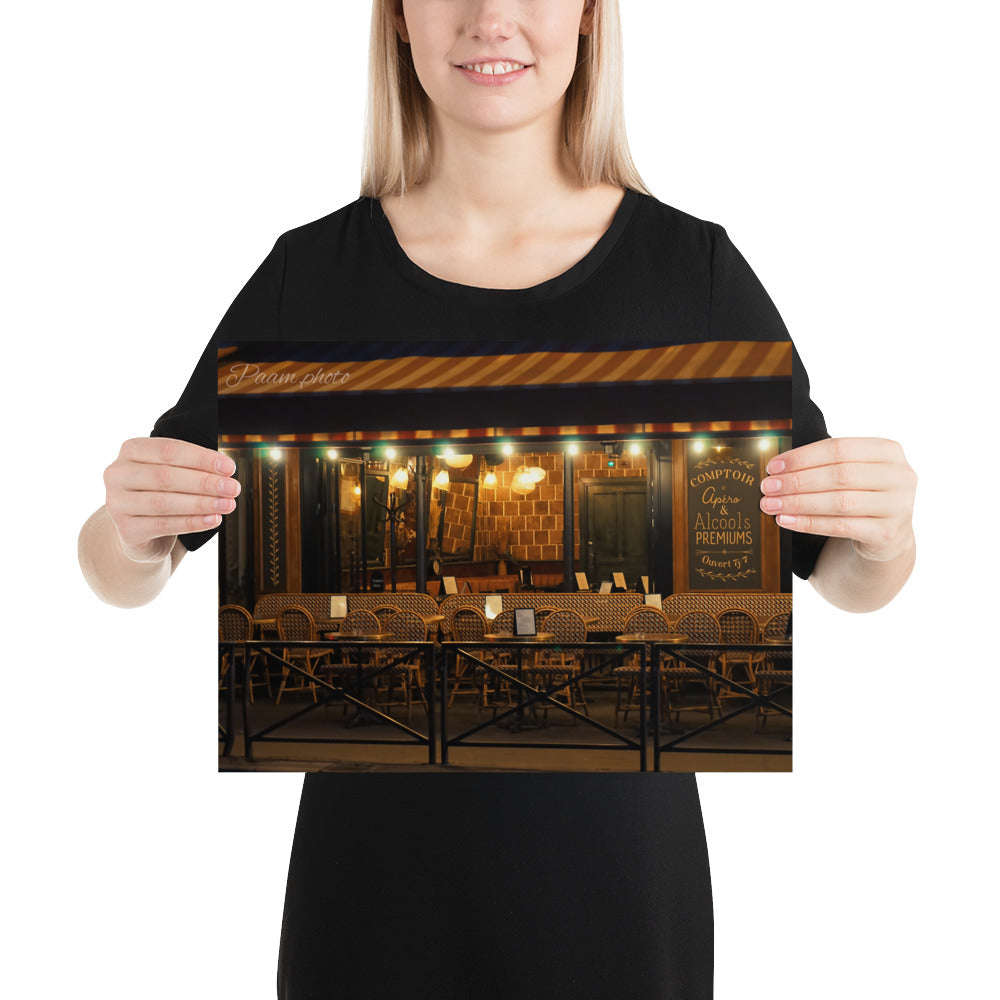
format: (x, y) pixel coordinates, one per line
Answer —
(508, 200)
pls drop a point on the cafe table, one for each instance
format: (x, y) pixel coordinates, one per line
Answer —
(519, 641)
(360, 717)
(649, 639)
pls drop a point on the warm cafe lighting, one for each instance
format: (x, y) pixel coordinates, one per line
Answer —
(523, 482)
(634, 449)
(573, 448)
(274, 454)
(400, 479)
(441, 480)
(457, 461)
(390, 453)
(331, 453)
(490, 480)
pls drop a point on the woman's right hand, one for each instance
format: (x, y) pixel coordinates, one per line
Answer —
(159, 488)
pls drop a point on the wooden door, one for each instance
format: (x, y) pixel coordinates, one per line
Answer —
(613, 529)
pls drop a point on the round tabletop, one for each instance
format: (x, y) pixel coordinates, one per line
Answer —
(539, 637)
(673, 637)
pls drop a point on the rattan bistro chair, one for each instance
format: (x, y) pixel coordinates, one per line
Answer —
(345, 661)
(236, 625)
(497, 691)
(698, 626)
(410, 627)
(296, 624)
(555, 666)
(627, 675)
(775, 671)
(468, 624)
(737, 625)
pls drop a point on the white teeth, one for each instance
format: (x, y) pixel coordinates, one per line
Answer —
(495, 69)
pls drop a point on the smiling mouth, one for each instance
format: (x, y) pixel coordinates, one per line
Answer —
(493, 68)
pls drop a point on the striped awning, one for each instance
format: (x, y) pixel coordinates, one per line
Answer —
(423, 391)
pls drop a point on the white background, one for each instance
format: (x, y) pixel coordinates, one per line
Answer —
(155, 152)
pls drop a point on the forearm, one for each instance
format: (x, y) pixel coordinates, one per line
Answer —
(112, 575)
(852, 583)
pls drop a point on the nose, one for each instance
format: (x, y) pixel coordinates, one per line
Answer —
(491, 19)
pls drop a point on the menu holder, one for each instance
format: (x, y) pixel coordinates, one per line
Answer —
(653, 601)
(605, 587)
(619, 580)
(450, 586)
(338, 605)
(524, 621)
(581, 581)
(645, 584)
(492, 606)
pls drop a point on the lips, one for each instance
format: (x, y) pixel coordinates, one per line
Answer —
(493, 73)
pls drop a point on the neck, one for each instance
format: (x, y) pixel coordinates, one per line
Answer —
(499, 180)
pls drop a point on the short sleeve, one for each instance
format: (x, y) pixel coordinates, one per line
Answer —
(255, 314)
(741, 309)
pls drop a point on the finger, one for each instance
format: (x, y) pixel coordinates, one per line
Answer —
(140, 530)
(840, 503)
(866, 530)
(834, 478)
(142, 477)
(834, 451)
(173, 451)
(152, 503)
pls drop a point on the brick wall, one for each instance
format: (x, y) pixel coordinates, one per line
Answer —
(534, 522)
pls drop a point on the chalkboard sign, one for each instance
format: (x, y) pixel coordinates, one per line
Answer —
(724, 517)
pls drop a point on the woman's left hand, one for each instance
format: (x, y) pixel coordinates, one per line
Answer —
(856, 488)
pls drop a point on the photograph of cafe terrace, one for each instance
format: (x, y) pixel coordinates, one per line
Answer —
(504, 555)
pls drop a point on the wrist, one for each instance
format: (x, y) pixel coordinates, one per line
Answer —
(897, 552)
(153, 552)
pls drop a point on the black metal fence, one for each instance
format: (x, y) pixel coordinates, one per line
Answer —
(439, 662)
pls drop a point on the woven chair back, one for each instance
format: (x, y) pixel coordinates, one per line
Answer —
(468, 624)
(503, 624)
(359, 622)
(699, 626)
(777, 625)
(235, 623)
(647, 620)
(566, 626)
(383, 612)
(737, 626)
(295, 624)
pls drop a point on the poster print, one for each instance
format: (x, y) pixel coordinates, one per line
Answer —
(402, 499)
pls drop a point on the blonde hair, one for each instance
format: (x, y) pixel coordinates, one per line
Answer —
(397, 141)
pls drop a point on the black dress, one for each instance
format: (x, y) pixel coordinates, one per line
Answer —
(487, 885)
